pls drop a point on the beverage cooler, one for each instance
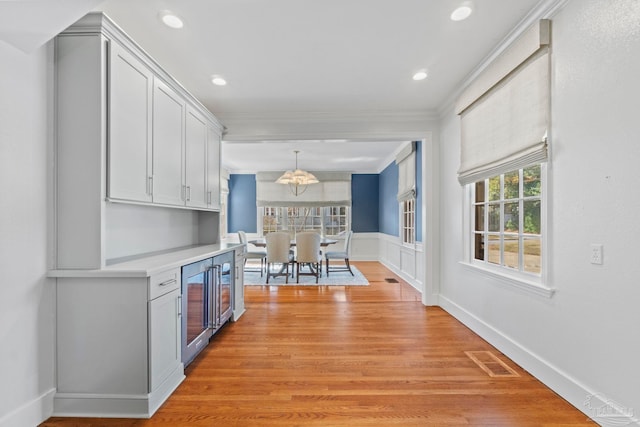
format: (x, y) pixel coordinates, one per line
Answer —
(207, 301)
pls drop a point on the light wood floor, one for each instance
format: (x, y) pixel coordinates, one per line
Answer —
(358, 356)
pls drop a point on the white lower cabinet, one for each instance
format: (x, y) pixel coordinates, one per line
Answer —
(164, 337)
(118, 352)
(238, 300)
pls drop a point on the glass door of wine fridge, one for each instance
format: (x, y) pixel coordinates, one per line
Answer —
(224, 268)
(196, 307)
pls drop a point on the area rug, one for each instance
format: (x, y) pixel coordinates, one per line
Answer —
(336, 278)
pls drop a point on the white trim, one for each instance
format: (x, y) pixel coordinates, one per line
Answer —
(553, 377)
(528, 286)
(117, 405)
(430, 258)
(31, 413)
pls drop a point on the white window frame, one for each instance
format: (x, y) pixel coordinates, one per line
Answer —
(283, 223)
(408, 222)
(528, 282)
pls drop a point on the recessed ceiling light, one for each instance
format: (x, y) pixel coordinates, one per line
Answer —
(462, 12)
(218, 80)
(171, 20)
(420, 75)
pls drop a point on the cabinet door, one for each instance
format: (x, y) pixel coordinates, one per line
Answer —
(196, 160)
(164, 337)
(168, 136)
(213, 169)
(130, 91)
(238, 291)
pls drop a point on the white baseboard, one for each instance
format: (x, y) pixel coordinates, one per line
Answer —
(117, 406)
(31, 413)
(605, 412)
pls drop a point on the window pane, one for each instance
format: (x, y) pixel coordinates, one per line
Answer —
(511, 217)
(480, 191)
(511, 251)
(480, 218)
(531, 181)
(479, 247)
(511, 185)
(494, 188)
(532, 217)
(507, 211)
(493, 254)
(532, 256)
(494, 217)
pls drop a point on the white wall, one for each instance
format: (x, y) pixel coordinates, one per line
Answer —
(584, 339)
(26, 296)
(138, 229)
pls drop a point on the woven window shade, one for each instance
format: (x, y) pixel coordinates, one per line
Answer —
(334, 189)
(505, 128)
(406, 161)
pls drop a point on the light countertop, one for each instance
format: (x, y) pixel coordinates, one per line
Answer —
(148, 265)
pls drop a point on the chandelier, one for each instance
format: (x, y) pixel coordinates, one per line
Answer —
(298, 179)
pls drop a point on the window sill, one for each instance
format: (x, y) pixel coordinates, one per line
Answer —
(509, 280)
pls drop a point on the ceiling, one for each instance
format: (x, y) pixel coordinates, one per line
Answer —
(343, 57)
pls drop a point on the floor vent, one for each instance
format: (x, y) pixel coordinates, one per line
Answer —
(391, 280)
(490, 363)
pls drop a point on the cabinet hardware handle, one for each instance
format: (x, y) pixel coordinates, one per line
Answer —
(169, 282)
(183, 194)
(188, 193)
(208, 197)
(150, 186)
(179, 305)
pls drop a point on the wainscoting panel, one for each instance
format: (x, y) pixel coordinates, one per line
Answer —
(364, 246)
(406, 261)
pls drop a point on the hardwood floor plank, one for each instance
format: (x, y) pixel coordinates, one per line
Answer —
(349, 356)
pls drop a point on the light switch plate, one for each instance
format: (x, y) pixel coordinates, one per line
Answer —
(596, 253)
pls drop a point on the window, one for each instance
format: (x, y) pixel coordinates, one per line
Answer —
(336, 220)
(327, 221)
(507, 220)
(408, 215)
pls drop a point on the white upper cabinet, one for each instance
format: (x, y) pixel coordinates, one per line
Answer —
(129, 142)
(195, 160)
(168, 134)
(126, 131)
(213, 169)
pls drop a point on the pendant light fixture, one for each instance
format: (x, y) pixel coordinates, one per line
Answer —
(298, 180)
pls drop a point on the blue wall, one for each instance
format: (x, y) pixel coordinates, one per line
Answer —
(364, 203)
(389, 209)
(388, 215)
(242, 210)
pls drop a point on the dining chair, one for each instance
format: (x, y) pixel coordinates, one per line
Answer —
(278, 253)
(253, 254)
(343, 254)
(308, 253)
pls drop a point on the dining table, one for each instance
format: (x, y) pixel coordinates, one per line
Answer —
(262, 243)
